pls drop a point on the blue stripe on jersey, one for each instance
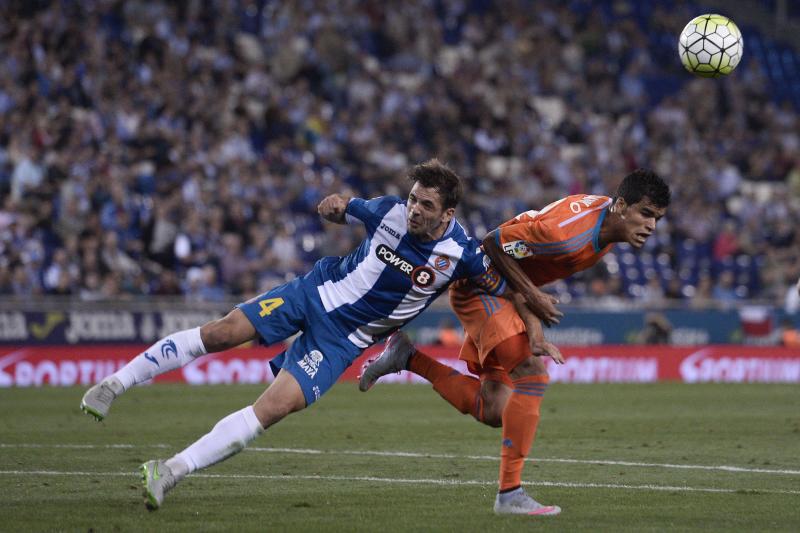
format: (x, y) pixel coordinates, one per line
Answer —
(566, 242)
(596, 233)
(577, 245)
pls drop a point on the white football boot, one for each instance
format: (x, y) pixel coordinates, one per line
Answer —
(393, 358)
(157, 480)
(518, 502)
(97, 400)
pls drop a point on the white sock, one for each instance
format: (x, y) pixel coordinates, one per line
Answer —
(227, 438)
(171, 352)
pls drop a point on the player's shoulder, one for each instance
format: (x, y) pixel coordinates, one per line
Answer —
(456, 235)
(376, 208)
(559, 221)
(573, 208)
(560, 209)
(458, 244)
(388, 199)
(574, 204)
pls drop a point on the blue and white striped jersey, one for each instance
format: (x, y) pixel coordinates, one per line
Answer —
(393, 276)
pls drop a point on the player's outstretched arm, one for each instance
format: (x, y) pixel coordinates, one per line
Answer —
(332, 208)
(540, 303)
(539, 345)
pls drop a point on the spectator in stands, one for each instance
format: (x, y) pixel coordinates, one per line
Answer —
(674, 291)
(792, 300)
(703, 293)
(724, 291)
(657, 329)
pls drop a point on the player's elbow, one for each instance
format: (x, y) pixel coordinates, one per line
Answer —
(490, 241)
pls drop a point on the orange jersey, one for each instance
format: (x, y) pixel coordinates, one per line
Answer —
(550, 244)
(559, 240)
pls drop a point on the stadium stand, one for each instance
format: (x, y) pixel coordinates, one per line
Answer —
(180, 148)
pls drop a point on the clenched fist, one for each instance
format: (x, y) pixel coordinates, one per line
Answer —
(332, 208)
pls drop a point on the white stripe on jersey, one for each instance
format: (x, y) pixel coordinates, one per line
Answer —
(415, 300)
(570, 220)
(360, 281)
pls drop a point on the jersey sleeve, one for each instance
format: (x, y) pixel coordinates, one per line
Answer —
(478, 268)
(533, 237)
(369, 212)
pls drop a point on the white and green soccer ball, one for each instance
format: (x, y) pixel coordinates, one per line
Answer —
(710, 46)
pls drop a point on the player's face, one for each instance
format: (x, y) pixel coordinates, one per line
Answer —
(639, 220)
(426, 218)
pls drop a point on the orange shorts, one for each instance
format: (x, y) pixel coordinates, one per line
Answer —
(488, 321)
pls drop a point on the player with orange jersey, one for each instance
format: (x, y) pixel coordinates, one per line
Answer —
(504, 339)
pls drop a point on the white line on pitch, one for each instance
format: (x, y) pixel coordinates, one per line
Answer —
(534, 459)
(85, 446)
(306, 451)
(423, 481)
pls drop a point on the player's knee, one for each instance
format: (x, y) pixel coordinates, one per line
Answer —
(531, 366)
(269, 413)
(216, 336)
(494, 402)
(282, 398)
(227, 332)
(493, 419)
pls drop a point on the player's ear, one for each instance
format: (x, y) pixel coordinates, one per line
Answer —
(620, 206)
(448, 214)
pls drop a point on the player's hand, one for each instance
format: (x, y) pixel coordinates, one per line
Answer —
(333, 208)
(543, 305)
(547, 349)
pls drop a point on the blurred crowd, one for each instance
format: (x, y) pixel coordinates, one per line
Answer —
(181, 147)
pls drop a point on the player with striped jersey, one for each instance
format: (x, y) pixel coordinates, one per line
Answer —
(504, 342)
(413, 251)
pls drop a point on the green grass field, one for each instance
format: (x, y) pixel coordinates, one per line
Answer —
(614, 457)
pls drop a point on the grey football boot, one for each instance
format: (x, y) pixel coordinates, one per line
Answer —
(393, 358)
(157, 480)
(97, 400)
(518, 502)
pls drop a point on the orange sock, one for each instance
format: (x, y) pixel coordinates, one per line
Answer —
(462, 392)
(520, 418)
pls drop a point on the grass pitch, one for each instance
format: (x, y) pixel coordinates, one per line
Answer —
(614, 457)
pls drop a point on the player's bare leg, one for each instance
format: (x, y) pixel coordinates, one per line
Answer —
(227, 438)
(169, 353)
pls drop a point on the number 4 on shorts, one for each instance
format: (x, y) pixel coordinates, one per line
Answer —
(269, 305)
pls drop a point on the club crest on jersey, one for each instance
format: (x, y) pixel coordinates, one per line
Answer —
(517, 249)
(441, 263)
(310, 362)
(421, 276)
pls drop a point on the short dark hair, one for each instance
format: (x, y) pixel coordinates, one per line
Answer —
(435, 174)
(642, 182)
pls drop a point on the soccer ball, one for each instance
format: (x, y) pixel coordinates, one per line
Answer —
(710, 46)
